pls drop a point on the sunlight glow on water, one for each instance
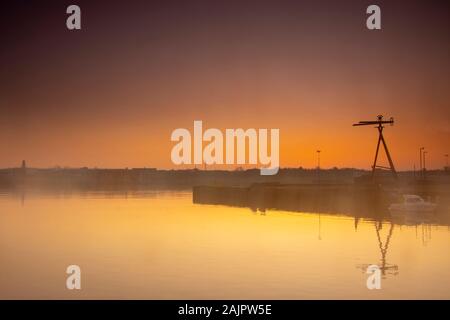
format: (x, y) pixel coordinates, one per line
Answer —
(159, 245)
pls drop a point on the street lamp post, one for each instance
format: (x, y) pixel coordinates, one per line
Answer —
(318, 159)
(424, 166)
(318, 165)
(420, 160)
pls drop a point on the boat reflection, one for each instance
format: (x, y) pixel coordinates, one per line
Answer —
(369, 205)
(367, 209)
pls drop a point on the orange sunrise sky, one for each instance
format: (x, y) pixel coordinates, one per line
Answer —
(111, 94)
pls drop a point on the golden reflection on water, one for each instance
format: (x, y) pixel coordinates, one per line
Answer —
(162, 246)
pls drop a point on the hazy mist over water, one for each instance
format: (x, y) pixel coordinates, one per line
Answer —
(159, 245)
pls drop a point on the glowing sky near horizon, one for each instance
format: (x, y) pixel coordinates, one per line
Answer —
(111, 94)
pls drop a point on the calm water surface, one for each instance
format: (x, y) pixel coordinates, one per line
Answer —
(159, 245)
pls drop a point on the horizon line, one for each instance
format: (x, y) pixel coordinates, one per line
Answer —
(211, 169)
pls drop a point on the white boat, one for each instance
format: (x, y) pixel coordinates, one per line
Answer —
(412, 204)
